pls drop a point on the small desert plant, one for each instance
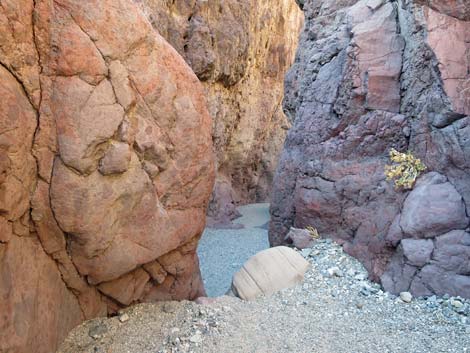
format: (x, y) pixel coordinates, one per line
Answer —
(405, 169)
(313, 232)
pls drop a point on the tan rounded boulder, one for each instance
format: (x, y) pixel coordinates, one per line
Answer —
(269, 271)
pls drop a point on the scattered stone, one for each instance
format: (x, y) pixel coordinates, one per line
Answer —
(124, 318)
(97, 331)
(197, 338)
(168, 308)
(301, 238)
(335, 272)
(406, 297)
(456, 303)
(360, 276)
(306, 252)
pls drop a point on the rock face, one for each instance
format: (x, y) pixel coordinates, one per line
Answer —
(240, 50)
(268, 272)
(371, 75)
(106, 167)
(455, 8)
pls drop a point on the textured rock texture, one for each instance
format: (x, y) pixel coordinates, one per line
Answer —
(371, 75)
(269, 271)
(241, 51)
(106, 167)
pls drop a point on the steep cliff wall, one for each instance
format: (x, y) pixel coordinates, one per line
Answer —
(369, 76)
(106, 167)
(240, 50)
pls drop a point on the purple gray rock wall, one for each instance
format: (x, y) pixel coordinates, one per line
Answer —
(372, 75)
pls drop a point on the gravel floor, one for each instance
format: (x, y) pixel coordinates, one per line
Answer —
(336, 309)
(223, 251)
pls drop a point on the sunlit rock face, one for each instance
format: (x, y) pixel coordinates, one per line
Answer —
(106, 167)
(240, 50)
(459, 9)
(369, 76)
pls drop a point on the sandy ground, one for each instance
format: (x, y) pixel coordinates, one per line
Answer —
(223, 251)
(325, 314)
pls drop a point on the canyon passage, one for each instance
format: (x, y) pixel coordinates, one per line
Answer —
(129, 129)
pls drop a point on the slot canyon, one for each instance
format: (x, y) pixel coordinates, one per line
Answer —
(128, 128)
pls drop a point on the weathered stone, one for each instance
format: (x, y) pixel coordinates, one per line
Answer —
(406, 297)
(455, 8)
(156, 271)
(300, 238)
(452, 55)
(80, 213)
(268, 272)
(452, 252)
(116, 159)
(127, 289)
(240, 50)
(434, 207)
(358, 65)
(417, 252)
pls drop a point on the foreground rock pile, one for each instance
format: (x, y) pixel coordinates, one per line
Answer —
(371, 76)
(106, 167)
(336, 309)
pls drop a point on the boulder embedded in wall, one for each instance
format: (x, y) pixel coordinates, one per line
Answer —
(371, 76)
(104, 180)
(434, 207)
(240, 50)
(431, 266)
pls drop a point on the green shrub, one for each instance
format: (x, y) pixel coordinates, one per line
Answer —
(405, 169)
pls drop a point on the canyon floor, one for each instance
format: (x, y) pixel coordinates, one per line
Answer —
(223, 251)
(336, 309)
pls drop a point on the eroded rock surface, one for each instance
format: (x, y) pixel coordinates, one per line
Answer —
(371, 75)
(106, 167)
(269, 271)
(240, 50)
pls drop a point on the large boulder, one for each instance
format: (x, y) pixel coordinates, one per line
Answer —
(240, 50)
(372, 75)
(268, 272)
(106, 167)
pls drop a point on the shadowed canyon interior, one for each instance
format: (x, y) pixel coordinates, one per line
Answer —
(124, 123)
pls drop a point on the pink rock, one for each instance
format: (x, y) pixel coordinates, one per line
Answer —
(455, 8)
(300, 238)
(116, 159)
(451, 53)
(82, 219)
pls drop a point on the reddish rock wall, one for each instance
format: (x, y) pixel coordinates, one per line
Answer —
(371, 75)
(106, 167)
(240, 50)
